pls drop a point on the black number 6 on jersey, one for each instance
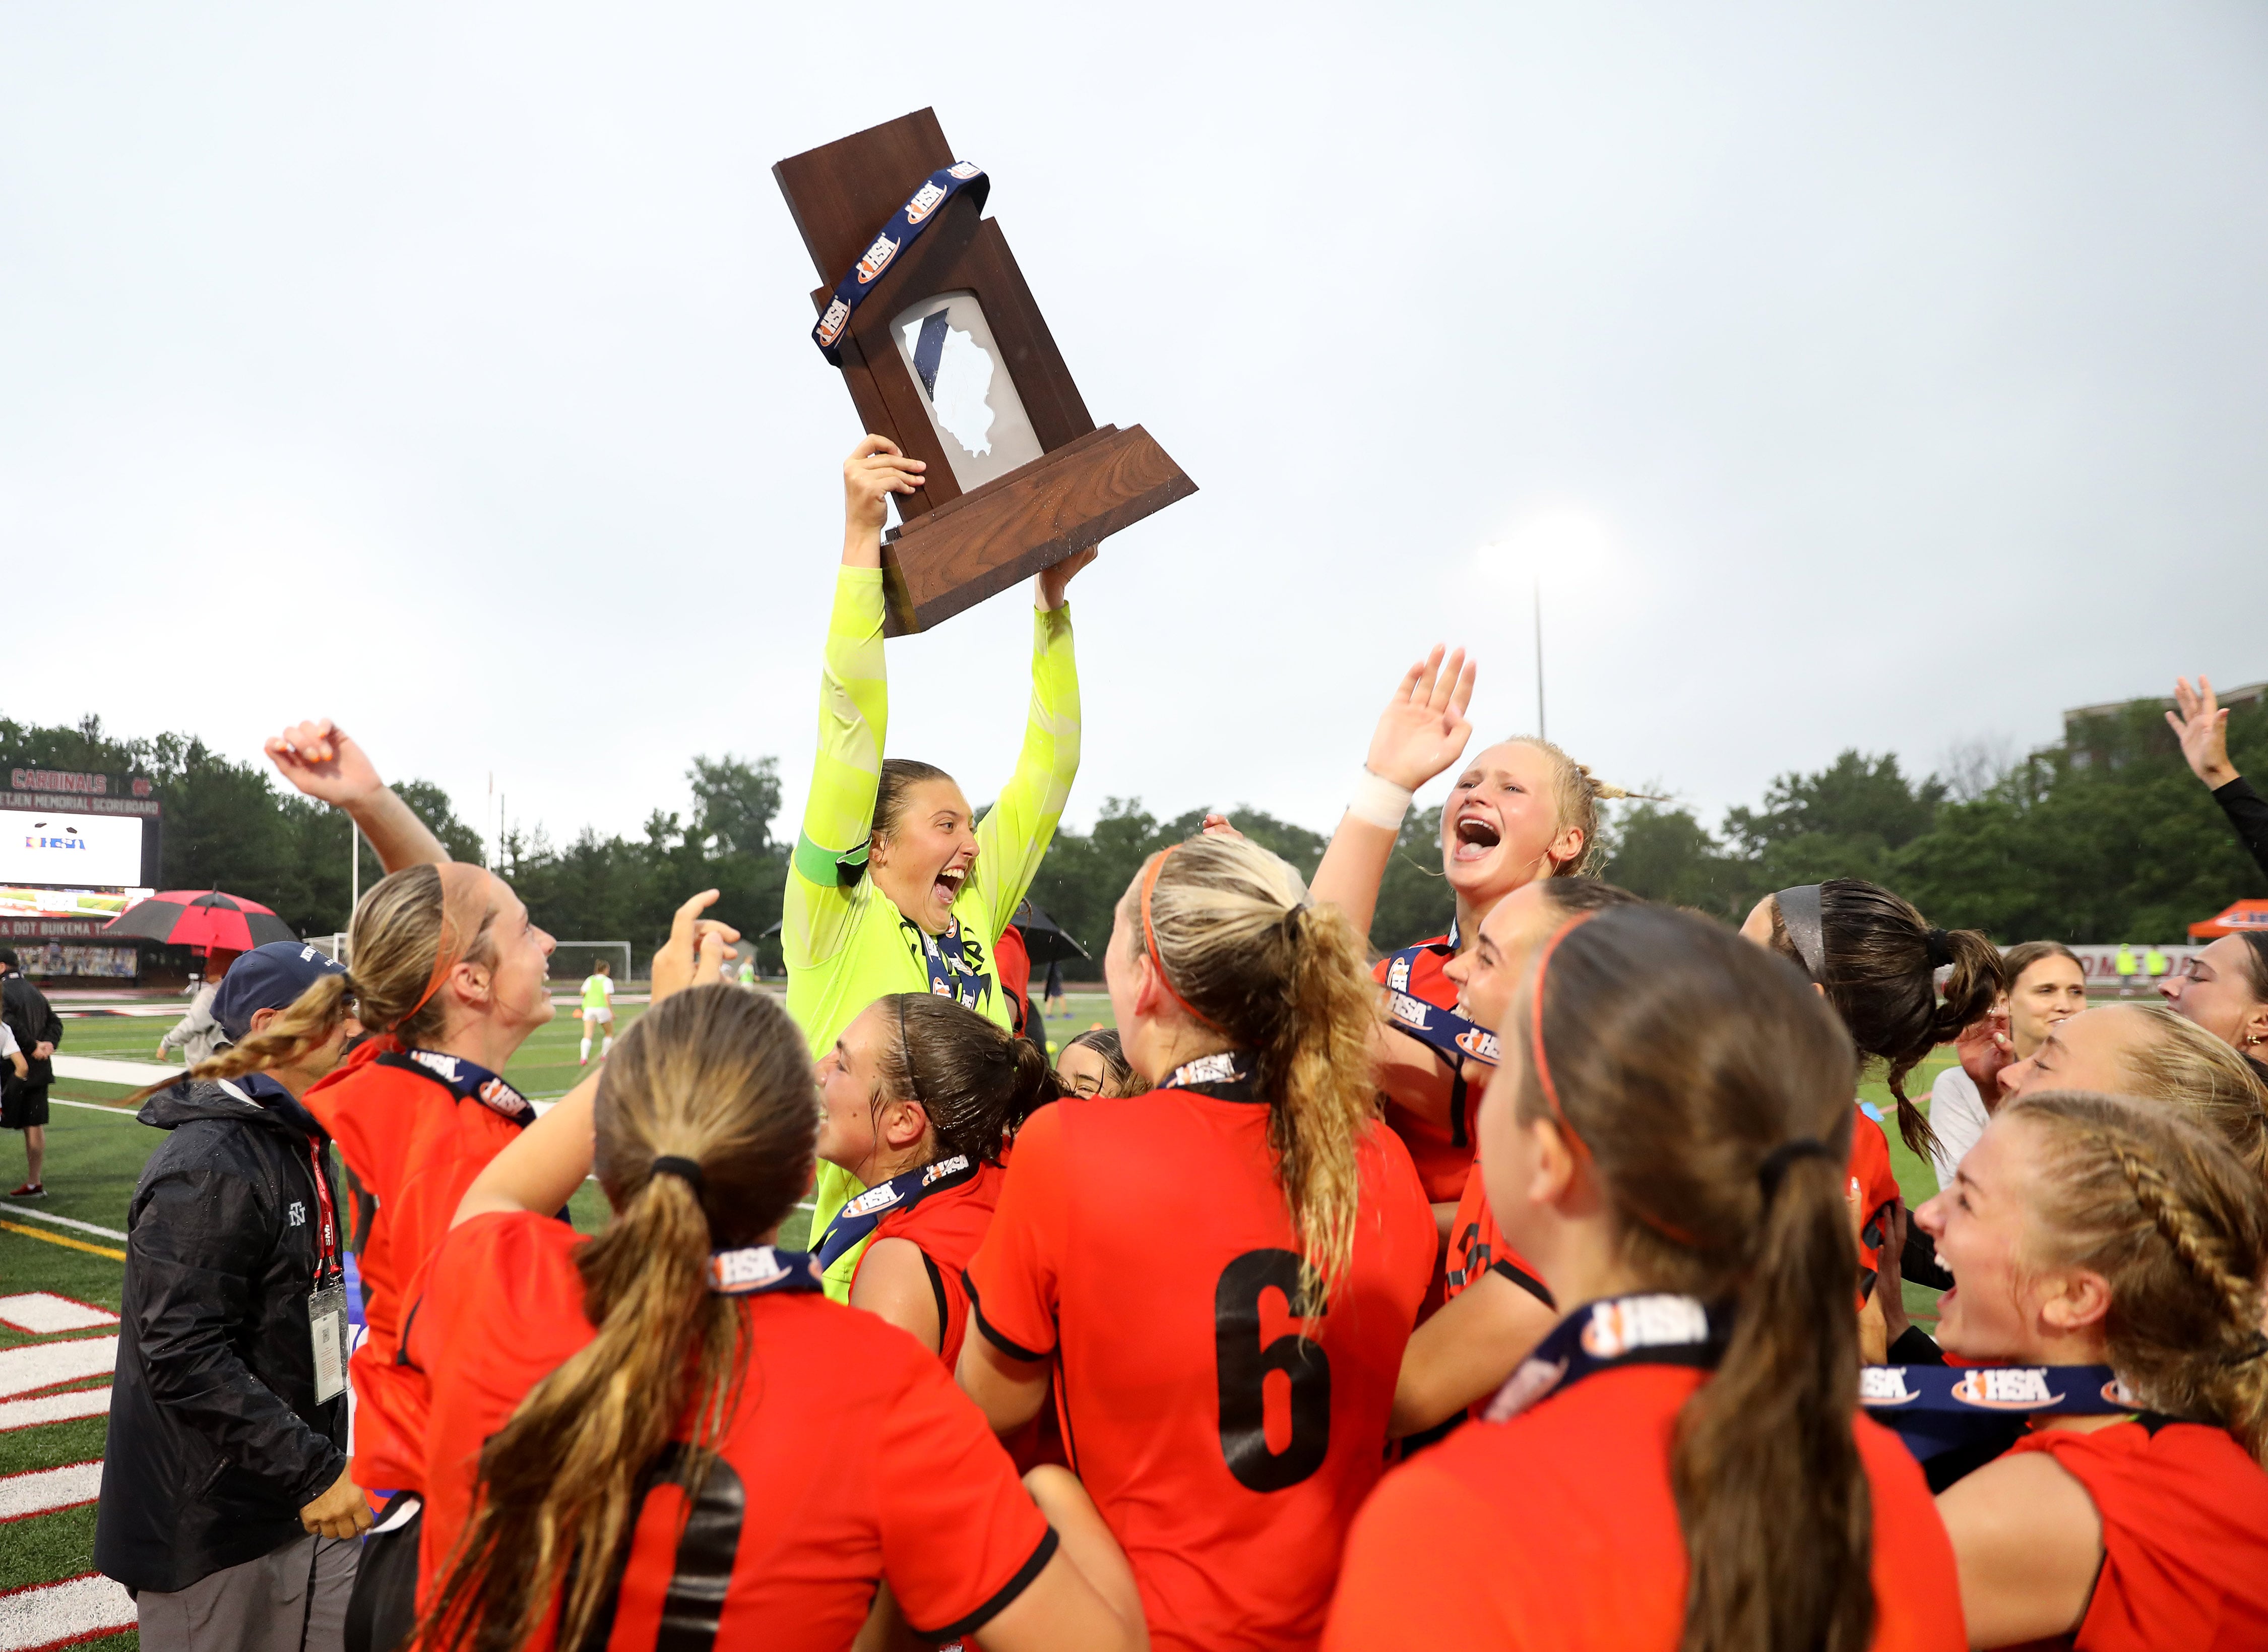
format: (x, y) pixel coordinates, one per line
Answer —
(1243, 1367)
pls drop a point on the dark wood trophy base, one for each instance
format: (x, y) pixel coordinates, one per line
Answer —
(981, 543)
(955, 548)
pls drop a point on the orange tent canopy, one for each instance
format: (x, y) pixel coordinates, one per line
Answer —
(2242, 916)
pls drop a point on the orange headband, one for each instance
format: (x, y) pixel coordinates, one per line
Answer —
(1535, 1028)
(463, 911)
(1150, 940)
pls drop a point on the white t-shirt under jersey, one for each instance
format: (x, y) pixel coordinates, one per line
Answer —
(1957, 1113)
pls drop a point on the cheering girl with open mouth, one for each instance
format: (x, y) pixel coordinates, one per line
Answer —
(895, 887)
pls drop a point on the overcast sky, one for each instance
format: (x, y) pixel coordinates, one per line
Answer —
(1874, 376)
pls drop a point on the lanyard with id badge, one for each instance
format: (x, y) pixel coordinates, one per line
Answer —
(326, 1303)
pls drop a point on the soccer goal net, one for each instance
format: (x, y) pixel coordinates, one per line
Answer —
(572, 959)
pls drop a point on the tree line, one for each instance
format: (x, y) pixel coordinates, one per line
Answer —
(2105, 836)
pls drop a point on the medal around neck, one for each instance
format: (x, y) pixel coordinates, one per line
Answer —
(944, 350)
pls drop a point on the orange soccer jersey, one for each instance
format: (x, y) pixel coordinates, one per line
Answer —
(2184, 1535)
(850, 1457)
(1556, 1531)
(1144, 1244)
(1443, 1157)
(415, 1127)
(498, 1308)
(946, 1228)
(1477, 1246)
(1876, 1185)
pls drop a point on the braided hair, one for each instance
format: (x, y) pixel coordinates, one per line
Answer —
(2178, 1228)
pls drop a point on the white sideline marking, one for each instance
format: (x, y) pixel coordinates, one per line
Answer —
(50, 1614)
(43, 1313)
(31, 1413)
(45, 1364)
(41, 1490)
(110, 1070)
(65, 1222)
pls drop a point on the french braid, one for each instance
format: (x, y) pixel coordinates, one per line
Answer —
(2177, 1227)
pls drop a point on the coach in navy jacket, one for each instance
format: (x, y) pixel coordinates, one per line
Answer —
(222, 1468)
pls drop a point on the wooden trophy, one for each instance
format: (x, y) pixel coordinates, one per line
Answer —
(945, 353)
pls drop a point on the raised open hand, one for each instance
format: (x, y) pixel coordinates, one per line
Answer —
(1423, 729)
(322, 759)
(2202, 726)
(874, 471)
(695, 951)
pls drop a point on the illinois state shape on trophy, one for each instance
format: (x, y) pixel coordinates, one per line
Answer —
(945, 352)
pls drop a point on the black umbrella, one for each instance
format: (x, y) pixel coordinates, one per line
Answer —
(1045, 939)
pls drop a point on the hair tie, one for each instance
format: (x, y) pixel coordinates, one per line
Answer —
(1940, 948)
(1776, 1162)
(2251, 1352)
(1150, 939)
(685, 1169)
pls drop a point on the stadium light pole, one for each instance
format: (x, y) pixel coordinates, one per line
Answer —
(1539, 734)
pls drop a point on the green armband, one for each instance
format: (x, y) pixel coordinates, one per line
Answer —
(827, 868)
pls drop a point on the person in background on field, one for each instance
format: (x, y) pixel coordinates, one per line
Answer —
(2128, 968)
(747, 975)
(2047, 986)
(2100, 1231)
(450, 977)
(11, 1051)
(197, 1035)
(895, 886)
(2155, 964)
(597, 1010)
(226, 1502)
(2224, 989)
(2201, 724)
(1054, 997)
(1679, 1464)
(1094, 1064)
(24, 1095)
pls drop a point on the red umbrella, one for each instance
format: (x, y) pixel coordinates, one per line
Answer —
(201, 918)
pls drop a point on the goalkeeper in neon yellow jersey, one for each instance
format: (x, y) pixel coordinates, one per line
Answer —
(894, 887)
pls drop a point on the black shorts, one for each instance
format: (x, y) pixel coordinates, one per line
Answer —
(22, 1105)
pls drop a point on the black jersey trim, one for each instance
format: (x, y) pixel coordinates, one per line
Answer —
(937, 1290)
(1004, 1598)
(1526, 1280)
(402, 1344)
(1014, 1350)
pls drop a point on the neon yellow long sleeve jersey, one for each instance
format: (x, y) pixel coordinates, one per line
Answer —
(846, 944)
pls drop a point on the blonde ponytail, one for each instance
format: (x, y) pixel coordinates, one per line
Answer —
(1577, 794)
(1244, 948)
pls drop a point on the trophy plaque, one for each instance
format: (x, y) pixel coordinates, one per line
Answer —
(945, 353)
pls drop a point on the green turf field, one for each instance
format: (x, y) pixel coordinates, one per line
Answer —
(95, 1155)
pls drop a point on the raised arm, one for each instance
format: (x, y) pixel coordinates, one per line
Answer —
(838, 816)
(1421, 733)
(2202, 726)
(321, 760)
(1014, 837)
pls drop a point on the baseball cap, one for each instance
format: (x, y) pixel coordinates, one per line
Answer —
(267, 978)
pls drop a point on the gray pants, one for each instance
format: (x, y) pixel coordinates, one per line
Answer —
(292, 1599)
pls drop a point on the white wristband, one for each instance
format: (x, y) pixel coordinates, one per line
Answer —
(1378, 801)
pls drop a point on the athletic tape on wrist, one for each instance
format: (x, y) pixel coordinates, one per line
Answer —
(1378, 801)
